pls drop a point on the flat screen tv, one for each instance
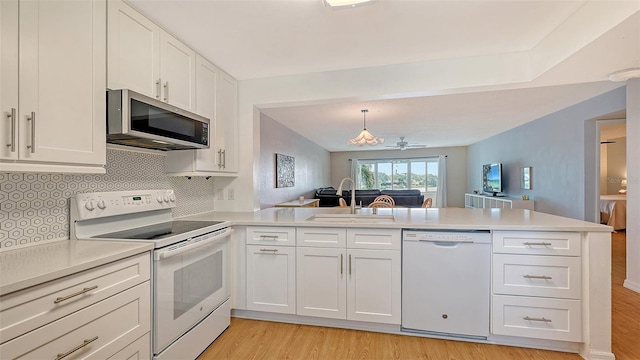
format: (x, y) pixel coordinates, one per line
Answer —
(492, 179)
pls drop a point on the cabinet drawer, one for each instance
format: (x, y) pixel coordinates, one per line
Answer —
(321, 237)
(273, 235)
(28, 309)
(361, 238)
(536, 243)
(112, 324)
(541, 318)
(137, 350)
(547, 276)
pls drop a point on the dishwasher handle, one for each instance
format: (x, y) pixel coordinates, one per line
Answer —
(446, 242)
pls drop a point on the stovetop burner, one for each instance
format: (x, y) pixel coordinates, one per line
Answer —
(158, 231)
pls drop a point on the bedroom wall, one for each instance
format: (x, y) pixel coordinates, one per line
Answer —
(311, 163)
(555, 147)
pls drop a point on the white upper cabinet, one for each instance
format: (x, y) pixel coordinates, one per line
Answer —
(227, 123)
(58, 124)
(146, 59)
(216, 99)
(133, 51)
(177, 72)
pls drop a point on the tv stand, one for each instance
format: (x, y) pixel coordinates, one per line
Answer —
(488, 201)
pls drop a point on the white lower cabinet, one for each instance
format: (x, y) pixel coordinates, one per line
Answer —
(373, 285)
(104, 312)
(271, 278)
(353, 284)
(537, 285)
(321, 285)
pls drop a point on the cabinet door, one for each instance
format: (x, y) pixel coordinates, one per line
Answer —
(227, 122)
(374, 286)
(8, 79)
(62, 105)
(321, 282)
(133, 50)
(271, 278)
(206, 81)
(178, 72)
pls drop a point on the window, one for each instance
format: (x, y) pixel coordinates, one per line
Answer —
(398, 174)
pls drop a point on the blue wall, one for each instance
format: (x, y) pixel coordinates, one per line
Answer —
(555, 147)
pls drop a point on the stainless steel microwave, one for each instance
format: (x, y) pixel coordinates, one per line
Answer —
(137, 120)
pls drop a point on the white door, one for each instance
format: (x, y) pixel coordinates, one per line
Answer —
(206, 80)
(271, 278)
(8, 79)
(321, 282)
(374, 285)
(178, 72)
(62, 81)
(227, 122)
(134, 51)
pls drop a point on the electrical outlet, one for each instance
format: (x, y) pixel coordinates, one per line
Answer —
(231, 194)
(219, 194)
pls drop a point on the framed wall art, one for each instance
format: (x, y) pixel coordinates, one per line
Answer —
(525, 178)
(285, 171)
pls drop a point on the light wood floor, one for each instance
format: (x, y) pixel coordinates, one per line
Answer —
(251, 339)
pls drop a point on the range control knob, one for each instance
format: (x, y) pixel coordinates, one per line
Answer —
(166, 198)
(172, 198)
(159, 198)
(89, 206)
(102, 205)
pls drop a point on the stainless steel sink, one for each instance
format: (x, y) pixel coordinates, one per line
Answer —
(352, 218)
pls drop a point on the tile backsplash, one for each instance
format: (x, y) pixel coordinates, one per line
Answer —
(34, 207)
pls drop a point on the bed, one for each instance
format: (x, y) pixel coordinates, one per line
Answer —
(613, 211)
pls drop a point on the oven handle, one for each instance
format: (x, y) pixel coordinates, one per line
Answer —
(169, 253)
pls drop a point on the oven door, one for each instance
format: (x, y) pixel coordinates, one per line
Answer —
(191, 280)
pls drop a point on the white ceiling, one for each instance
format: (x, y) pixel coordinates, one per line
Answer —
(564, 43)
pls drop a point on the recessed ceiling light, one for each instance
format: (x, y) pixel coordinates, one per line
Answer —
(624, 75)
(343, 3)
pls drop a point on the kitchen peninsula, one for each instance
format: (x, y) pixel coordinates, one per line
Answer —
(550, 275)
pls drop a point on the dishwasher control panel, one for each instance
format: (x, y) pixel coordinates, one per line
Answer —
(446, 236)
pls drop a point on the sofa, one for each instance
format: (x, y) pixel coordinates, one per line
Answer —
(405, 198)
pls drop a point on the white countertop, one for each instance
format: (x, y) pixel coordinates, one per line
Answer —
(415, 218)
(33, 265)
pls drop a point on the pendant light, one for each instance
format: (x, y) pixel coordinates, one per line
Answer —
(365, 137)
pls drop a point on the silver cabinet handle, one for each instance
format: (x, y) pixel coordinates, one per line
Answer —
(538, 243)
(12, 117)
(272, 237)
(166, 91)
(537, 319)
(32, 118)
(84, 343)
(544, 277)
(349, 264)
(269, 250)
(341, 264)
(224, 158)
(220, 159)
(158, 89)
(85, 290)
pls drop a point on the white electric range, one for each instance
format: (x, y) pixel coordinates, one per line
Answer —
(191, 263)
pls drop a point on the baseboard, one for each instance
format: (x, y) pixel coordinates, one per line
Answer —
(600, 355)
(632, 285)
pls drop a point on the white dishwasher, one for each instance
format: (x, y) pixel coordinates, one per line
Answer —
(446, 282)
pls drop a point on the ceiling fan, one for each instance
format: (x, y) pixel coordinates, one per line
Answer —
(403, 145)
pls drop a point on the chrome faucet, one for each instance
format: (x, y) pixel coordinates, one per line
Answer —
(353, 193)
